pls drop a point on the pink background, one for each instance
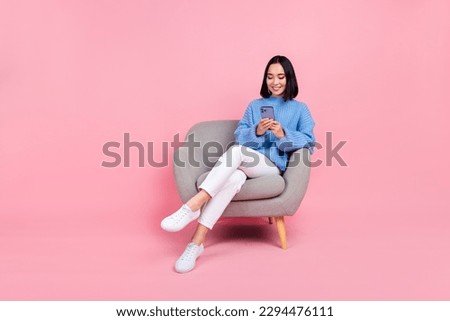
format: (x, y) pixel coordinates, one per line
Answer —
(77, 74)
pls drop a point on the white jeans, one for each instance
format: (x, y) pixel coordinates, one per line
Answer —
(227, 177)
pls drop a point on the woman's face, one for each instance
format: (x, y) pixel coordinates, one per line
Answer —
(276, 80)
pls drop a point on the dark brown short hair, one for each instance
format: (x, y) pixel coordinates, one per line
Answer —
(291, 90)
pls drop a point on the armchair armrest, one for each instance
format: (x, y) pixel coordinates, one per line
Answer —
(185, 174)
(296, 177)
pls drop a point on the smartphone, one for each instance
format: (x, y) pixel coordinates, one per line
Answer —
(267, 112)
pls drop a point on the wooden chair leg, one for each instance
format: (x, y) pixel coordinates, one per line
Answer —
(270, 220)
(281, 227)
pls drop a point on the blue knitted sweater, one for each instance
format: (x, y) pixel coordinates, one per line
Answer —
(295, 120)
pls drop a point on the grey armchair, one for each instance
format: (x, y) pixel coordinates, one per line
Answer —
(269, 196)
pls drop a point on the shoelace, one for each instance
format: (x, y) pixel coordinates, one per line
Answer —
(180, 215)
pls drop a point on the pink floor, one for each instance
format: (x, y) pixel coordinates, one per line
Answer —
(350, 255)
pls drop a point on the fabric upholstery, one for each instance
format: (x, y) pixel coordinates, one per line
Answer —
(256, 188)
(207, 141)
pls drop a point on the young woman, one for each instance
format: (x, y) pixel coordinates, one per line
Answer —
(263, 146)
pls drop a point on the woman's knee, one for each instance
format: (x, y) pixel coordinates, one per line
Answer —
(235, 150)
(232, 155)
(243, 153)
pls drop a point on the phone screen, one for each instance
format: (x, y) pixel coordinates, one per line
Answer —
(267, 112)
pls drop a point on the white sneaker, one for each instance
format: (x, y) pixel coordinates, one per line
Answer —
(186, 262)
(178, 220)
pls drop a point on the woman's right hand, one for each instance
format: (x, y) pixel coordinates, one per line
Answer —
(264, 124)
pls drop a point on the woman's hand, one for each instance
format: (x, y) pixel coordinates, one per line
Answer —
(277, 130)
(264, 124)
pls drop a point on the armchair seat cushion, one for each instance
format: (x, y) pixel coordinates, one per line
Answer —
(255, 188)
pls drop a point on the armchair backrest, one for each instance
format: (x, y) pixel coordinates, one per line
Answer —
(214, 137)
(204, 143)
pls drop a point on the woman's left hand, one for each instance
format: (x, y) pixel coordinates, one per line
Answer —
(277, 130)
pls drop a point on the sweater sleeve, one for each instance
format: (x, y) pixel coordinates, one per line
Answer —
(302, 137)
(245, 133)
